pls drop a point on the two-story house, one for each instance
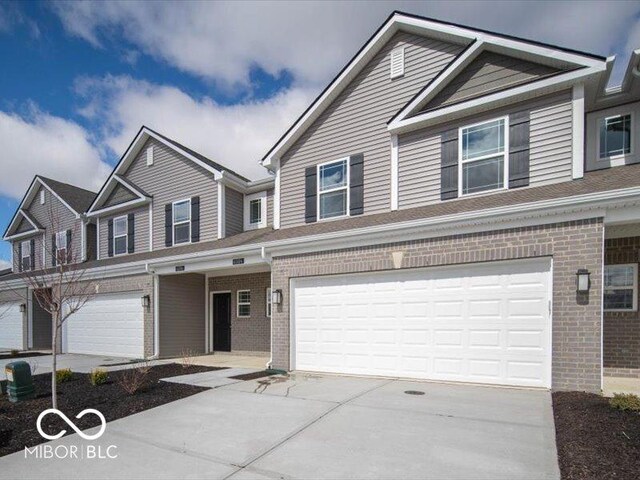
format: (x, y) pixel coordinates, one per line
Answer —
(456, 205)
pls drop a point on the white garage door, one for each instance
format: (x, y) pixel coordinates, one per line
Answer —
(11, 324)
(484, 323)
(107, 325)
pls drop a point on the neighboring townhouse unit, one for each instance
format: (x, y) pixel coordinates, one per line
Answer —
(456, 205)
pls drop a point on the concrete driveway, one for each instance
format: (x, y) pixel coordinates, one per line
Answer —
(77, 363)
(310, 426)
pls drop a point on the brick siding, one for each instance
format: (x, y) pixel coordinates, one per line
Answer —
(251, 334)
(576, 319)
(621, 329)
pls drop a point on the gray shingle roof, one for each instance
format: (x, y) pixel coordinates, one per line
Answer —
(78, 198)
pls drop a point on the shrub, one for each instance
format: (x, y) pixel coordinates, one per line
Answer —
(131, 380)
(186, 358)
(64, 375)
(14, 353)
(625, 401)
(98, 376)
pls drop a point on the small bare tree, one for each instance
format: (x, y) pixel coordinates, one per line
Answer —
(61, 287)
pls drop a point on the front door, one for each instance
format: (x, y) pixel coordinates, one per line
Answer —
(222, 322)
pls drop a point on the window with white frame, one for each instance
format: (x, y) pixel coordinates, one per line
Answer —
(244, 303)
(615, 136)
(483, 157)
(255, 210)
(120, 235)
(333, 189)
(621, 287)
(61, 247)
(182, 221)
(25, 259)
(268, 305)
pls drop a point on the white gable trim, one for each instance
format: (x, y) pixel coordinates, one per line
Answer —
(14, 223)
(420, 26)
(109, 188)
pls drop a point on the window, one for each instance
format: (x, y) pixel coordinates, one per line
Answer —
(483, 157)
(255, 211)
(615, 136)
(61, 247)
(244, 303)
(268, 297)
(120, 235)
(621, 287)
(397, 62)
(42, 197)
(26, 255)
(333, 189)
(182, 221)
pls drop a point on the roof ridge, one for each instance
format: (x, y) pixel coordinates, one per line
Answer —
(47, 179)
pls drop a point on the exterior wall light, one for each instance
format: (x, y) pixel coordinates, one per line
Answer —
(583, 283)
(276, 297)
(146, 301)
(23, 307)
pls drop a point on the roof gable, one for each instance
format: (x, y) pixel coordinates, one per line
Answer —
(120, 194)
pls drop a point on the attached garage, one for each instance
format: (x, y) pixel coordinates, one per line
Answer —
(108, 324)
(484, 323)
(12, 326)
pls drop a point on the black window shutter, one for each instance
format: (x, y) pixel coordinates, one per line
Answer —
(168, 225)
(19, 256)
(110, 238)
(356, 184)
(449, 165)
(131, 240)
(69, 246)
(310, 194)
(54, 250)
(195, 219)
(33, 254)
(519, 149)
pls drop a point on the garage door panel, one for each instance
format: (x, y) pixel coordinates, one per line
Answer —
(11, 326)
(486, 323)
(108, 324)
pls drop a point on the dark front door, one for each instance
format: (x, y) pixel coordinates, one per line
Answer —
(222, 322)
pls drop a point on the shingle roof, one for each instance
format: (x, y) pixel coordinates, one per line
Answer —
(78, 198)
(199, 156)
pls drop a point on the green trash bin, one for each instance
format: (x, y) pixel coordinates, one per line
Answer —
(19, 381)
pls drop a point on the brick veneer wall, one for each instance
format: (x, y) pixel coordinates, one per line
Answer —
(576, 319)
(622, 329)
(251, 334)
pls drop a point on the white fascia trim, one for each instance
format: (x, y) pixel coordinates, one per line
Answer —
(231, 180)
(77, 214)
(120, 206)
(107, 191)
(445, 77)
(394, 172)
(578, 139)
(130, 187)
(485, 102)
(222, 220)
(26, 216)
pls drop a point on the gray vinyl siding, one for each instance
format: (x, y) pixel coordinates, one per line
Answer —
(234, 208)
(356, 122)
(173, 177)
(181, 314)
(270, 207)
(550, 149)
(38, 252)
(141, 229)
(119, 195)
(24, 226)
(488, 73)
(41, 324)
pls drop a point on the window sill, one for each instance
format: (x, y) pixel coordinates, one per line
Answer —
(331, 219)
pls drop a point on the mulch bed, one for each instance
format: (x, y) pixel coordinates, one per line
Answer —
(594, 440)
(18, 421)
(255, 375)
(7, 356)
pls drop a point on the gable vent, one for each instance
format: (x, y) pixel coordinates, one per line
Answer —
(150, 155)
(397, 62)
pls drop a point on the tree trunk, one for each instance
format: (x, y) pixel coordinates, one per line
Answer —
(54, 364)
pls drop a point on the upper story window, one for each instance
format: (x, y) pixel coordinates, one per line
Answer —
(182, 221)
(255, 210)
(621, 287)
(61, 247)
(483, 157)
(615, 136)
(333, 189)
(120, 235)
(25, 259)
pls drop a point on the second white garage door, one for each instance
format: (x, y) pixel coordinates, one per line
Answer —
(483, 323)
(11, 326)
(107, 325)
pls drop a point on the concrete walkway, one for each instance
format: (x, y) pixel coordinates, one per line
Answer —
(77, 363)
(229, 360)
(311, 426)
(613, 385)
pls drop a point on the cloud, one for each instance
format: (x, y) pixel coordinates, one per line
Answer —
(236, 135)
(312, 40)
(4, 264)
(40, 143)
(12, 17)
